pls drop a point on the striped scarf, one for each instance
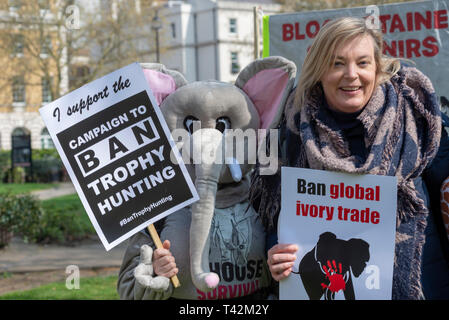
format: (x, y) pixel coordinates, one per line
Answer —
(402, 134)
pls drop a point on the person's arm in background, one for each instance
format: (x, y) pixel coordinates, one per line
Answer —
(434, 175)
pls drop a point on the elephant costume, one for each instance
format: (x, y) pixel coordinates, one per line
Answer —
(218, 243)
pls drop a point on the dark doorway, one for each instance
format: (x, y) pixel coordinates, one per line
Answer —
(21, 152)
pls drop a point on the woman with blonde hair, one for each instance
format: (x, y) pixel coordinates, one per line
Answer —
(356, 110)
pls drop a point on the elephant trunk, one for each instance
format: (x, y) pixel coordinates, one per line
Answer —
(208, 143)
(202, 214)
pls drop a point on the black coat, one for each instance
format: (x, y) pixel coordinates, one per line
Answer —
(435, 266)
(434, 176)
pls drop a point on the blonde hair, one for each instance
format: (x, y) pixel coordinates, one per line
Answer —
(321, 54)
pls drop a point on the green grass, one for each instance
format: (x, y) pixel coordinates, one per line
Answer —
(67, 202)
(17, 188)
(91, 288)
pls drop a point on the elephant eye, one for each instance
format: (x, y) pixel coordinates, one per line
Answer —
(223, 123)
(188, 123)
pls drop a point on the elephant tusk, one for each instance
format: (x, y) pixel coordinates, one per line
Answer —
(234, 167)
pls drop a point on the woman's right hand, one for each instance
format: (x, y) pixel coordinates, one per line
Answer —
(281, 259)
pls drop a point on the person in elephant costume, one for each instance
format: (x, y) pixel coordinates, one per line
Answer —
(216, 246)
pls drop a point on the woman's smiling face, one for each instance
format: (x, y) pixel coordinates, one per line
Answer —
(349, 82)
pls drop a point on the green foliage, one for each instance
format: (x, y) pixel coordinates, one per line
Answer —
(19, 213)
(7, 215)
(5, 165)
(64, 220)
(44, 154)
(47, 165)
(61, 220)
(92, 288)
(29, 214)
(18, 175)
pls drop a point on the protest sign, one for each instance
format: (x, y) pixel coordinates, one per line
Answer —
(116, 147)
(418, 31)
(344, 226)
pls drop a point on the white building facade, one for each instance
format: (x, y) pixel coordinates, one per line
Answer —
(206, 39)
(203, 39)
(20, 117)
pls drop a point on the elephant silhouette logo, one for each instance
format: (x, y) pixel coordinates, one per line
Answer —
(328, 268)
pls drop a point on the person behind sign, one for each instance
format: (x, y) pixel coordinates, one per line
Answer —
(356, 110)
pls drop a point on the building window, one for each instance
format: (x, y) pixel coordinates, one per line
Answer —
(18, 89)
(20, 132)
(173, 30)
(18, 44)
(233, 25)
(235, 67)
(79, 75)
(46, 141)
(21, 147)
(46, 89)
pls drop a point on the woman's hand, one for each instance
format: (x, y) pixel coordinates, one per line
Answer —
(163, 261)
(281, 259)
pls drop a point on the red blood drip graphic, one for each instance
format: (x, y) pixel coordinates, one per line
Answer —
(336, 280)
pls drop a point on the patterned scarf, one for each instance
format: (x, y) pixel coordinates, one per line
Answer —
(402, 134)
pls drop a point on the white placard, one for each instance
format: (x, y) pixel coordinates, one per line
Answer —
(116, 147)
(344, 225)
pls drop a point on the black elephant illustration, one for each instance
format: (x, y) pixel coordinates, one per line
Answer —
(327, 268)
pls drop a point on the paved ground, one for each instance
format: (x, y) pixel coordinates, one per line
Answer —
(61, 190)
(20, 257)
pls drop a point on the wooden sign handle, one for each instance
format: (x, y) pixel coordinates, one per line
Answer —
(158, 243)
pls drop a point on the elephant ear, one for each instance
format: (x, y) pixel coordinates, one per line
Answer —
(162, 81)
(359, 255)
(267, 82)
(326, 242)
(360, 248)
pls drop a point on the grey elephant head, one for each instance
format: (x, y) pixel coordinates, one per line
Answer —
(216, 121)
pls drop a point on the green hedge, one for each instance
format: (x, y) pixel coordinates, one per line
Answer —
(20, 213)
(59, 220)
(5, 165)
(47, 166)
(64, 220)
